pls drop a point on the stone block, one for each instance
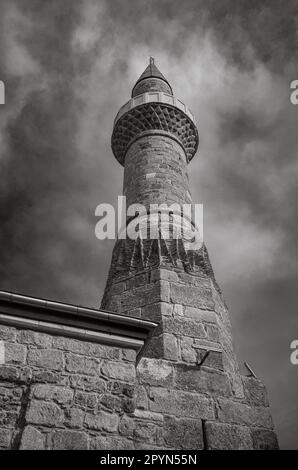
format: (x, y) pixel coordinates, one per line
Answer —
(170, 347)
(182, 433)
(126, 426)
(41, 340)
(61, 395)
(86, 399)
(102, 421)
(264, 439)
(9, 373)
(86, 348)
(46, 358)
(112, 443)
(44, 413)
(88, 383)
(70, 440)
(5, 438)
(163, 274)
(112, 402)
(155, 372)
(234, 412)
(47, 376)
(255, 391)
(151, 312)
(14, 353)
(204, 380)
(227, 437)
(148, 416)
(180, 403)
(200, 315)
(183, 326)
(199, 296)
(141, 397)
(214, 359)
(188, 353)
(146, 432)
(119, 371)
(74, 417)
(7, 333)
(81, 364)
(144, 295)
(129, 355)
(32, 439)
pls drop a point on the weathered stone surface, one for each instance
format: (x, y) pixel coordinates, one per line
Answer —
(151, 312)
(163, 274)
(7, 333)
(141, 397)
(5, 438)
(212, 382)
(188, 353)
(155, 372)
(199, 314)
(112, 403)
(112, 442)
(170, 347)
(264, 439)
(86, 399)
(234, 412)
(179, 403)
(183, 326)
(46, 413)
(144, 295)
(70, 440)
(15, 353)
(199, 296)
(146, 432)
(74, 417)
(120, 371)
(81, 364)
(35, 338)
(61, 395)
(214, 359)
(227, 436)
(255, 391)
(129, 355)
(48, 358)
(86, 348)
(47, 376)
(119, 388)
(88, 383)
(148, 415)
(32, 439)
(102, 421)
(126, 426)
(182, 433)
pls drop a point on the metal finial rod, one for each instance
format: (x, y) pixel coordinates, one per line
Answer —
(252, 374)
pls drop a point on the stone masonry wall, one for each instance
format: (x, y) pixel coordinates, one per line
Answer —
(202, 401)
(156, 172)
(63, 393)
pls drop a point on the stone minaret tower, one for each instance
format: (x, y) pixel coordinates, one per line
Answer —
(188, 372)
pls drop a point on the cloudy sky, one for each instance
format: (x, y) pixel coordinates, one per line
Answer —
(68, 67)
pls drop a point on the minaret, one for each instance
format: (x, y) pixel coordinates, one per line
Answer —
(168, 280)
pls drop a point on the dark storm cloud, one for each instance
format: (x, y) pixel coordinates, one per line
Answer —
(68, 67)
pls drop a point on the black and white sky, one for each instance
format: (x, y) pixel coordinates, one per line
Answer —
(68, 67)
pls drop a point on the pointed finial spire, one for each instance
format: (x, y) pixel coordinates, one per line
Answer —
(150, 73)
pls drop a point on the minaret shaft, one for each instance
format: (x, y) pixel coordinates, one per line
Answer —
(167, 281)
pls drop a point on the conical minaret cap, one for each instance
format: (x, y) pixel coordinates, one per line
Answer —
(151, 80)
